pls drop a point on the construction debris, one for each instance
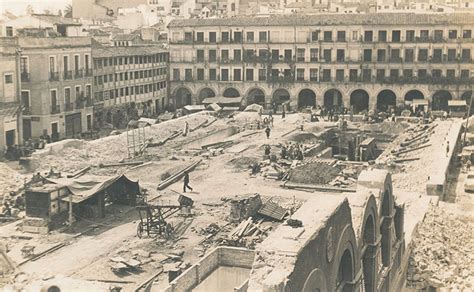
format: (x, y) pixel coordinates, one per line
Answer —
(175, 177)
(273, 210)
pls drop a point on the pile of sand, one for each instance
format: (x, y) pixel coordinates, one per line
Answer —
(10, 180)
(243, 162)
(314, 173)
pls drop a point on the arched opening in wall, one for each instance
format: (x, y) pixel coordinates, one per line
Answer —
(440, 100)
(385, 230)
(467, 97)
(368, 258)
(206, 93)
(386, 99)
(345, 273)
(359, 101)
(231, 92)
(414, 94)
(399, 221)
(280, 96)
(182, 97)
(306, 98)
(257, 96)
(332, 98)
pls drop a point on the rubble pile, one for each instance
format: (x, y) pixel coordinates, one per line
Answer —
(443, 253)
(314, 173)
(10, 180)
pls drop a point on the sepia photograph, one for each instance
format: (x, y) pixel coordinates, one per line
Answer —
(236, 145)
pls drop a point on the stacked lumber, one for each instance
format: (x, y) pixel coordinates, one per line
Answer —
(166, 139)
(175, 177)
(247, 228)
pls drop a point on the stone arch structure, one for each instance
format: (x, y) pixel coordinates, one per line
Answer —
(467, 95)
(385, 228)
(255, 95)
(345, 263)
(386, 99)
(205, 93)
(413, 94)
(280, 96)
(316, 281)
(231, 92)
(440, 100)
(183, 96)
(359, 100)
(332, 98)
(306, 98)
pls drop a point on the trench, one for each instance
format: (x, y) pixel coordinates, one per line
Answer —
(215, 137)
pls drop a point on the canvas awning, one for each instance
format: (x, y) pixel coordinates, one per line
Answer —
(458, 102)
(214, 106)
(230, 108)
(254, 108)
(85, 187)
(194, 108)
(222, 100)
(419, 102)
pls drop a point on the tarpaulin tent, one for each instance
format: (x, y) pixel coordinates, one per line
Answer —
(254, 108)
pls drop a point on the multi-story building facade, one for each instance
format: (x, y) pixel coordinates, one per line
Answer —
(367, 61)
(126, 75)
(9, 93)
(56, 86)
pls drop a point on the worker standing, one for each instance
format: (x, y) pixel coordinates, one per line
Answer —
(468, 165)
(267, 131)
(186, 182)
(447, 148)
(186, 129)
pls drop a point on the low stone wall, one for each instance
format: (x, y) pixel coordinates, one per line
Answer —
(215, 137)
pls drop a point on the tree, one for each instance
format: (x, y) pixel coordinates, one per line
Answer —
(68, 11)
(60, 13)
(29, 10)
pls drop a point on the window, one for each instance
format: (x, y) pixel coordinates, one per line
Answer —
(407, 73)
(328, 36)
(88, 91)
(24, 65)
(327, 55)
(263, 54)
(250, 37)
(8, 78)
(249, 74)
(237, 75)
(212, 74)
(188, 36)
(288, 55)
(423, 55)
(466, 55)
(438, 35)
(451, 55)
(212, 56)
(326, 75)
(409, 55)
(394, 73)
(366, 75)
(54, 98)
(424, 34)
(175, 74)
(395, 55)
(249, 54)
(382, 35)
(262, 74)
(437, 55)
(300, 74)
(396, 35)
(275, 55)
(353, 74)
(367, 55)
(238, 55)
(340, 75)
(341, 36)
(436, 73)
(453, 34)
(422, 74)
(450, 73)
(314, 55)
(467, 34)
(381, 55)
(262, 36)
(313, 74)
(225, 74)
(237, 36)
(200, 74)
(188, 74)
(464, 74)
(224, 55)
(300, 55)
(25, 99)
(200, 37)
(9, 31)
(340, 55)
(315, 36)
(380, 75)
(200, 55)
(212, 37)
(355, 35)
(410, 37)
(368, 36)
(225, 36)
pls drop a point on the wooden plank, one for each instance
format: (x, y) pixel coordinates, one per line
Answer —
(79, 172)
(412, 149)
(177, 176)
(148, 281)
(406, 159)
(321, 188)
(120, 164)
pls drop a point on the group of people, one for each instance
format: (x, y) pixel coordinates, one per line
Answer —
(294, 151)
(12, 201)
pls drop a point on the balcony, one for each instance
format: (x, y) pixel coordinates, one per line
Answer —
(55, 109)
(88, 72)
(281, 79)
(25, 77)
(78, 74)
(69, 106)
(53, 76)
(67, 75)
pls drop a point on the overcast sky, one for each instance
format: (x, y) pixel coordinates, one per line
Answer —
(18, 7)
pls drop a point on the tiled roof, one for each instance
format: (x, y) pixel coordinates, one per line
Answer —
(330, 19)
(125, 37)
(106, 52)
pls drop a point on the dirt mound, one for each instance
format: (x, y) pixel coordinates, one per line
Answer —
(314, 173)
(10, 180)
(243, 162)
(303, 138)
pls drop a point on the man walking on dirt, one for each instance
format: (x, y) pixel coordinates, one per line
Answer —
(267, 131)
(186, 182)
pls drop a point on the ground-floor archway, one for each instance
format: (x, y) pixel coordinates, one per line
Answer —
(345, 272)
(369, 256)
(414, 94)
(182, 97)
(231, 92)
(359, 100)
(332, 98)
(206, 93)
(440, 100)
(467, 97)
(306, 98)
(256, 95)
(386, 99)
(280, 96)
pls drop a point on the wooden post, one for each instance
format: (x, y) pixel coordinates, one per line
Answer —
(70, 209)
